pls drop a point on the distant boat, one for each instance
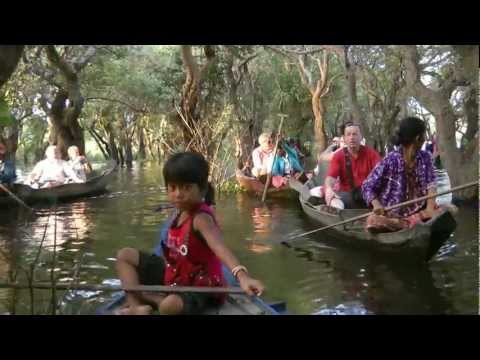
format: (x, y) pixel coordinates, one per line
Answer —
(94, 185)
(254, 186)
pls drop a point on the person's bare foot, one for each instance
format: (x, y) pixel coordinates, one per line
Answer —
(135, 310)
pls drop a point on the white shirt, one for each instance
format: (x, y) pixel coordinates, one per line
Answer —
(78, 167)
(262, 160)
(54, 170)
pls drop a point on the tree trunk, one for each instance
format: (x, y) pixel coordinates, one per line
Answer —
(244, 129)
(112, 144)
(318, 127)
(141, 155)
(101, 143)
(9, 58)
(128, 153)
(461, 166)
(64, 118)
(66, 130)
(356, 112)
(190, 94)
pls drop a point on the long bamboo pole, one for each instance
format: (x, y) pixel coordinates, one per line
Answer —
(138, 288)
(269, 175)
(15, 197)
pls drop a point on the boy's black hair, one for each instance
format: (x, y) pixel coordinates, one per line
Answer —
(408, 130)
(189, 167)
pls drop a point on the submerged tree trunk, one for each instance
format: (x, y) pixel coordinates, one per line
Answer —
(128, 154)
(141, 155)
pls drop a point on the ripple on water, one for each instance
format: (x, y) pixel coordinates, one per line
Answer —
(349, 308)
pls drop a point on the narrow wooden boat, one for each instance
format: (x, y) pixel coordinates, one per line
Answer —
(235, 304)
(423, 240)
(253, 186)
(94, 185)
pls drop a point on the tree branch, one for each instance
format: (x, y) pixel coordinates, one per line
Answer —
(60, 63)
(117, 101)
(305, 75)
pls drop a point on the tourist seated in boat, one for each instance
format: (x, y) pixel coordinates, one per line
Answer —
(263, 155)
(7, 167)
(79, 163)
(336, 144)
(404, 174)
(351, 166)
(191, 250)
(287, 161)
(52, 171)
(295, 144)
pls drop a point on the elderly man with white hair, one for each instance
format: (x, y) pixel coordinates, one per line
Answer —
(78, 163)
(263, 155)
(52, 171)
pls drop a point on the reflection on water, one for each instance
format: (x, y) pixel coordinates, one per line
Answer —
(311, 277)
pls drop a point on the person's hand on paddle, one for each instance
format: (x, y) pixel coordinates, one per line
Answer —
(249, 285)
(377, 207)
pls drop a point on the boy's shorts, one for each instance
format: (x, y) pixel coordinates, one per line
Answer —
(151, 270)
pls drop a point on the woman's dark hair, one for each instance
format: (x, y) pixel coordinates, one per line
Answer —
(408, 130)
(189, 167)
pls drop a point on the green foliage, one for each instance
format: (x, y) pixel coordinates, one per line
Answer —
(6, 117)
(230, 187)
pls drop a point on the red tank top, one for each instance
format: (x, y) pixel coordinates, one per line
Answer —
(189, 260)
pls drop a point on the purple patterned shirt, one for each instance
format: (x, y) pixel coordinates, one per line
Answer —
(387, 182)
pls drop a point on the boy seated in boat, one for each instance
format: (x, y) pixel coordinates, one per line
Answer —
(52, 171)
(78, 163)
(191, 252)
(404, 174)
(7, 167)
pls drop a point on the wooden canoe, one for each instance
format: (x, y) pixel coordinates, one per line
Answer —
(423, 240)
(254, 186)
(95, 185)
(235, 304)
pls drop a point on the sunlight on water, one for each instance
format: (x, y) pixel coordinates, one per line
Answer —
(311, 276)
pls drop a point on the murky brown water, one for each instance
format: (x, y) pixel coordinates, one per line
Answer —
(313, 279)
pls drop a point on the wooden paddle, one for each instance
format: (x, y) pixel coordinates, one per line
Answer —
(138, 288)
(15, 197)
(426, 197)
(269, 175)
